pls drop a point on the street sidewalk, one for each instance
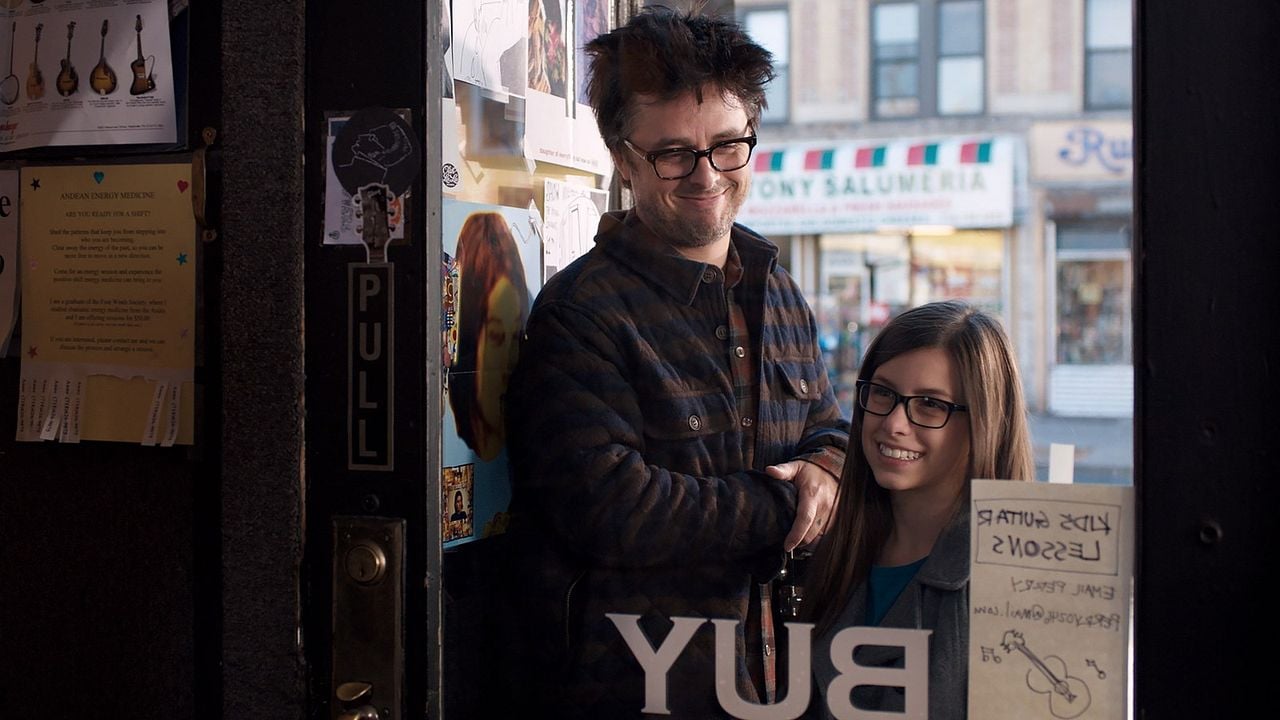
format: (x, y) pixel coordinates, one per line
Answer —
(1103, 446)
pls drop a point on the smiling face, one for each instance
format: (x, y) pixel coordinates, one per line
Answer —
(926, 462)
(695, 212)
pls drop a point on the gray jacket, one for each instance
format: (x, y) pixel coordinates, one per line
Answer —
(936, 599)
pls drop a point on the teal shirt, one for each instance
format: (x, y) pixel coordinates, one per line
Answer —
(885, 584)
(935, 599)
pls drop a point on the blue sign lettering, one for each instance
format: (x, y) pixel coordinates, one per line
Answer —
(1084, 144)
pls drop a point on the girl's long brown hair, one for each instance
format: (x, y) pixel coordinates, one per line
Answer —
(1000, 442)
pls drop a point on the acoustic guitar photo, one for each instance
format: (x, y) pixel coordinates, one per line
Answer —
(9, 86)
(103, 78)
(35, 78)
(143, 82)
(68, 81)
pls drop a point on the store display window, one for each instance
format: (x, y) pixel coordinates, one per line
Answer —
(1092, 294)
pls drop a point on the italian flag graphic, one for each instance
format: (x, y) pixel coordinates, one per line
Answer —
(869, 157)
(769, 161)
(975, 152)
(818, 159)
(923, 154)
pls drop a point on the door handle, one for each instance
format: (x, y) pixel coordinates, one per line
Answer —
(351, 692)
(204, 164)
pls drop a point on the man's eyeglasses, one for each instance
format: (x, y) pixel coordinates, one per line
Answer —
(678, 163)
(922, 410)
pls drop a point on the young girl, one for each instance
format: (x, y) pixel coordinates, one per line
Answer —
(939, 402)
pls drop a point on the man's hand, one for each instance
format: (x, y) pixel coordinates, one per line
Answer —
(817, 497)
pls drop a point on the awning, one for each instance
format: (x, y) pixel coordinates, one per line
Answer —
(817, 187)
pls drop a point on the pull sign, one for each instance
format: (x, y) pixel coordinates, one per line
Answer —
(371, 370)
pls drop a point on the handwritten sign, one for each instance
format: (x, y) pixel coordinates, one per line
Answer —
(573, 214)
(1049, 600)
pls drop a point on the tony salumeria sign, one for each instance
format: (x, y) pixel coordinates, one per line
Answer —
(864, 186)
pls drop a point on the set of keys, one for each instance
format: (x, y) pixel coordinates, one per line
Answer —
(791, 593)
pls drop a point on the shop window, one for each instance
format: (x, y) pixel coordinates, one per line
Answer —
(967, 265)
(1093, 291)
(771, 28)
(927, 58)
(1108, 65)
(867, 279)
(863, 282)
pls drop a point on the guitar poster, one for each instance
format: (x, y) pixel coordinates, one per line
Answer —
(108, 304)
(86, 73)
(1049, 599)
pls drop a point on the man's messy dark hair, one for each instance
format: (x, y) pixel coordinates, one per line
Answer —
(665, 53)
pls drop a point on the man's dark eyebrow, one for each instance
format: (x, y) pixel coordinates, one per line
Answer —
(682, 143)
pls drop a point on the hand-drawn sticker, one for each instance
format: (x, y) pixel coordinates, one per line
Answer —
(449, 175)
(376, 145)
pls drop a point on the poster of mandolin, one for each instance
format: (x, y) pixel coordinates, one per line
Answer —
(86, 73)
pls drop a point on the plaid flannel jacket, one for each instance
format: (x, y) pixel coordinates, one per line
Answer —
(631, 492)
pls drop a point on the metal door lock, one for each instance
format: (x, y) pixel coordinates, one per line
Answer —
(366, 563)
(368, 618)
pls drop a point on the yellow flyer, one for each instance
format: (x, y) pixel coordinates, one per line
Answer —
(108, 304)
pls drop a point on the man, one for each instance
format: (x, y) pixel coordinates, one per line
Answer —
(671, 428)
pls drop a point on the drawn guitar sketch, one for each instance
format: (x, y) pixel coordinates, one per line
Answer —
(103, 78)
(35, 78)
(68, 80)
(489, 51)
(578, 225)
(1068, 695)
